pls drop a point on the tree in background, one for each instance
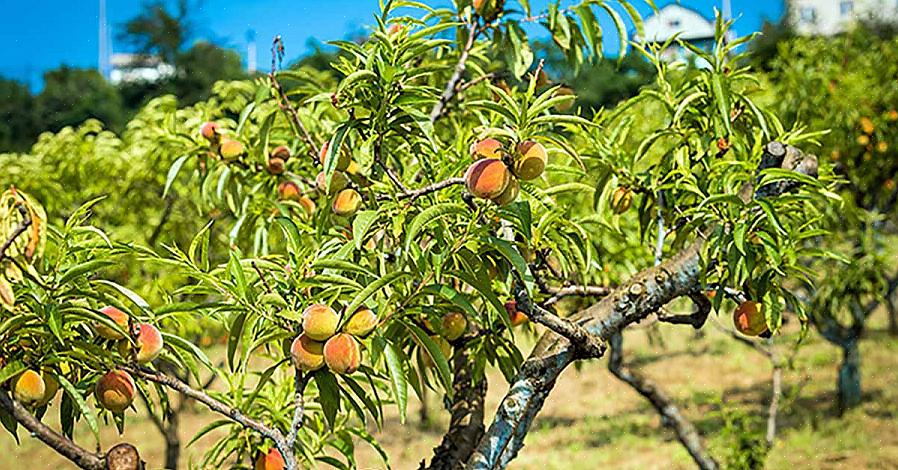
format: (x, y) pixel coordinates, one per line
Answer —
(71, 96)
(18, 120)
(158, 32)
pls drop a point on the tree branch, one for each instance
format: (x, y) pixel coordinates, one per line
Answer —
(61, 444)
(277, 48)
(671, 416)
(299, 384)
(19, 230)
(416, 193)
(697, 319)
(587, 344)
(439, 109)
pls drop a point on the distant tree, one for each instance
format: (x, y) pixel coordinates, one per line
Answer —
(159, 32)
(200, 67)
(71, 96)
(765, 47)
(17, 118)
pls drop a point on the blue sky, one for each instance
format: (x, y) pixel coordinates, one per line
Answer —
(41, 35)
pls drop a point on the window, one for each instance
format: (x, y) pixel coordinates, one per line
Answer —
(807, 14)
(846, 7)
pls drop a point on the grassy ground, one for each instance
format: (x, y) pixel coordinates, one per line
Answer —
(592, 421)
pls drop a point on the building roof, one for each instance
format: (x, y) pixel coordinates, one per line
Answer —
(673, 19)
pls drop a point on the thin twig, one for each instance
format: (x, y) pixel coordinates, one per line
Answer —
(416, 193)
(20, 229)
(451, 89)
(261, 276)
(277, 48)
(589, 345)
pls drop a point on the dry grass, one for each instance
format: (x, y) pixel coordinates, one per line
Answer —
(592, 421)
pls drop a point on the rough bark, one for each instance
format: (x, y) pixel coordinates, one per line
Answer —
(670, 414)
(466, 411)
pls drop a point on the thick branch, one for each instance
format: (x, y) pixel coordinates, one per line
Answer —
(299, 385)
(466, 415)
(588, 345)
(671, 416)
(697, 319)
(232, 413)
(61, 444)
(439, 109)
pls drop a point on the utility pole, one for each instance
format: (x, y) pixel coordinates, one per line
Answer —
(103, 59)
(251, 51)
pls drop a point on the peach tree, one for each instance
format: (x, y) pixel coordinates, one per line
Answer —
(391, 225)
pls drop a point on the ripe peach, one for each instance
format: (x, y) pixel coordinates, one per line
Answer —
(115, 391)
(119, 317)
(339, 182)
(342, 354)
(454, 326)
(749, 318)
(530, 160)
(361, 322)
(892, 115)
(210, 131)
(282, 152)
(319, 322)
(343, 158)
(510, 194)
(51, 386)
(486, 148)
(515, 316)
(863, 139)
(307, 204)
(347, 203)
(621, 200)
(867, 125)
(882, 146)
(289, 191)
(276, 166)
(445, 348)
(487, 178)
(29, 388)
(149, 343)
(307, 354)
(273, 460)
(230, 149)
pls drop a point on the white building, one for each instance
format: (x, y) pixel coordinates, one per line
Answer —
(689, 26)
(828, 17)
(128, 68)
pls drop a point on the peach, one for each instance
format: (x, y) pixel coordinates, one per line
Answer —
(273, 460)
(276, 166)
(343, 159)
(347, 203)
(487, 178)
(453, 326)
(307, 204)
(509, 195)
(339, 182)
(867, 125)
(892, 115)
(445, 348)
(282, 152)
(319, 322)
(361, 322)
(530, 160)
(230, 149)
(863, 139)
(115, 391)
(515, 316)
(210, 131)
(123, 456)
(486, 148)
(488, 9)
(621, 200)
(29, 388)
(567, 105)
(749, 318)
(149, 343)
(542, 78)
(51, 386)
(342, 354)
(289, 191)
(119, 317)
(307, 354)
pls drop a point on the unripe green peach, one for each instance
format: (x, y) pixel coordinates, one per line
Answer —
(454, 326)
(115, 391)
(270, 461)
(343, 158)
(119, 317)
(486, 148)
(51, 386)
(749, 318)
(567, 105)
(342, 354)
(361, 322)
(621, 200)
(28, 388)
(445, 348)
(210, 131)
(282, 152)
(339, 182)
(149, 343)
(307, 354)
(487, 178)
(510, 194)
(319, 322)
(515, 316)
(347, 203)
(289, 191)
(230, 149)
(530, 160)
(276, 166)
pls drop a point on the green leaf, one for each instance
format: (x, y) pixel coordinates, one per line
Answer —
(207, 429)
(328, 395)
(428, 215)
(433, 350)
(360, 298)
(86, 411)
(398, 382)
(333, 152)
(86, 267)
(131, 295)
(361, 224)
(11, 370)
(173, 173)
(234, 335)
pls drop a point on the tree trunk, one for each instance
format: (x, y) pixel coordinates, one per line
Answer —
(172, 440)
(849, 383)
(892, 310)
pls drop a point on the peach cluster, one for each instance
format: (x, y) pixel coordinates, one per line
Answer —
(148, 340)
(495, 174)
(323, 342)
(227, 148)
